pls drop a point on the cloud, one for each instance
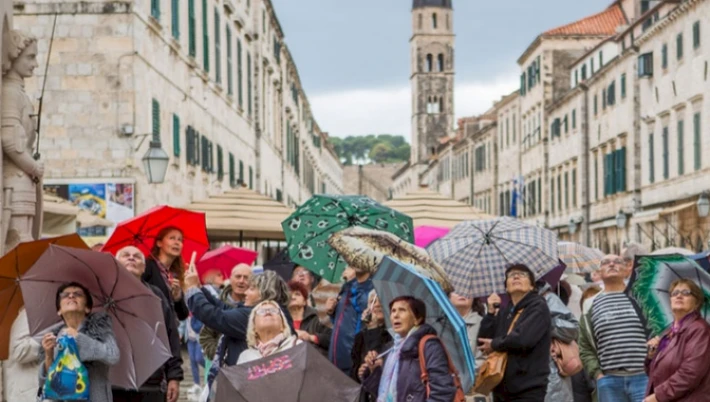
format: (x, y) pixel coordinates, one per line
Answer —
(388, 110)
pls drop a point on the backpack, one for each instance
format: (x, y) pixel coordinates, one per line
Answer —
(460, 395)
(566, 357)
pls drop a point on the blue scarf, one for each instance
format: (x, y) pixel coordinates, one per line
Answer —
(387, 391)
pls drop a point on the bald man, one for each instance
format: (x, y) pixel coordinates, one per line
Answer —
(153, 390)
(233, 295)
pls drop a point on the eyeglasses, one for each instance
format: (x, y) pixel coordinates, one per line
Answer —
(268, 310)
(617, 261)
(679, 292)
(516, 274)
(74, 295)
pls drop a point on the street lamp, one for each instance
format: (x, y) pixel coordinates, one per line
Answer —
(155, 162)
(703, 205)
(572, 227)
(621, 219)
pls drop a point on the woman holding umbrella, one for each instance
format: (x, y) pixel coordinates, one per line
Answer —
(93, 335)
(165, 268)
(678, 366)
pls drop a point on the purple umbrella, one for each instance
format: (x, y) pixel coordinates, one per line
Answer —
(552, 277)
(135, 310)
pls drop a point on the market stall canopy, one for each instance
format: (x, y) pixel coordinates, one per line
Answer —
(242, 214)
(62, 217)
(429, 208)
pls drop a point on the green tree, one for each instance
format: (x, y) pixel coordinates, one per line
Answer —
(381, 148)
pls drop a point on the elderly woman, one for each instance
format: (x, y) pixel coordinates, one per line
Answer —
(165, 268)
(305, 319)
(93, 334)
(268, 332)
(398, 378)
(678, 366)
(522, 330)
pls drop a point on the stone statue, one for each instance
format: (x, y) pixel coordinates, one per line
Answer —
(21, 199)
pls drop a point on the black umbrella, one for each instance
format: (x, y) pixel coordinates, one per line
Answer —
(298, 374)
(281, 264)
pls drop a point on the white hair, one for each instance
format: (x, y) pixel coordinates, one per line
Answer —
(252, 337)
(127, 247)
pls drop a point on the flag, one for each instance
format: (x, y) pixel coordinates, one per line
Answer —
(514, 200)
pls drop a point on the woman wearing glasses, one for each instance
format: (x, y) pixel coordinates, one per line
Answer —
(268, 332)
(678, 366)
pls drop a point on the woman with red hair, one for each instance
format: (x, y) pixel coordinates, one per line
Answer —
(165, 269)
(305, 318)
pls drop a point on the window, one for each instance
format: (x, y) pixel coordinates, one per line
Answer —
(666, 161)
(175, 20)
(696, 35)
(420, 18)
(241, 173)
(576, 77)
(155, 114)
(679, 46)
(433, 20)
(514, 124)
(604, 99)
(620, 170)
(623, 86)
(611, 94)
(584, 72)
(251, 178)
(232, 172)
(448, 23)
(574, 119)
(566, 190)
(681, 142)
(601, 59)
(217, 48)
(522, 84)
(205, 38)
(263, 21)
(220, 163)
(645, 65)
(240, 80)
(564, 123)
(555, 128)
(176, 136)
(440, 63)
(429, 63)
(191, 33)
(191, 146)
(559, 192)
(697, 142)
(596, 177)
(664, 56)
(595, 105)
(507, 132)
(230, 75)
(591, 65)
(609, 184)
(249, 105)
(155, 9)
(552, 195)
(651, 162)
(574, 188)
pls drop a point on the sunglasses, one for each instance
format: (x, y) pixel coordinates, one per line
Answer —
(679, 292)
(516, 274)
(74, 295)
(268, 310)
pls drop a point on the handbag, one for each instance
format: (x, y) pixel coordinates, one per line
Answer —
(566, 357)
(67, 377)
(491, 372)
(459, 396)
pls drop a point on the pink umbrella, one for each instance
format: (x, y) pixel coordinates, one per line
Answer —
(425, 235)
(224, 259)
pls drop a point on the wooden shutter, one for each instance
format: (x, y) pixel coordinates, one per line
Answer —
(697, 141)
(651, 161)
(155, 114)
(220, 163)
(205, 38)
(176, 136)
(681, 146)
(191, 29)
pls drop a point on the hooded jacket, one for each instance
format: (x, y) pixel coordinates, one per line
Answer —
(527, 345)
(347, 321)
(311, 324)
(208, 336)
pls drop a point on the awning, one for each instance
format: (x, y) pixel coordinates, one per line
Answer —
(603, 224)
(646, 216)
(242, 214)
(429, 208)
(678, 208)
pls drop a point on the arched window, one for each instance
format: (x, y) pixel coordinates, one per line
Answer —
(429, 63)
(433, 20)
(440, 62)
(421, 18)
(440, 105)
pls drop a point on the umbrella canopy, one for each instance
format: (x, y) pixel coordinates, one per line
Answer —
(307, 230)
(425, 235)
(651, 280)
(136, 312)
(672, 250)
(429, 208)
(298, 374)
(281, 264)
(578, 258)
(394, 279)
(224, 259)
(142, 230)
(475, 254)
(12, 266)
(365, 249)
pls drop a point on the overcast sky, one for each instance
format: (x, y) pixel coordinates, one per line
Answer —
(353, 55)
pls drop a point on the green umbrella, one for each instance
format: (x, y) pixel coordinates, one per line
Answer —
(308, 229)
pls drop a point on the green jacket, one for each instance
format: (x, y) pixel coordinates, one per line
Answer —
(208, 336)
(587, 342)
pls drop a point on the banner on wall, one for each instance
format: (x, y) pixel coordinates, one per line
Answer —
(109, 200)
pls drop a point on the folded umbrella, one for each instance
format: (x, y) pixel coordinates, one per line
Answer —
(141, 231)
(394, 278)
(225, 259)
(651, 280)
(578, 258)
(364, 249)
(13, 265)
(425, 235)
(298, 374)
(136, 312)
(475, 254)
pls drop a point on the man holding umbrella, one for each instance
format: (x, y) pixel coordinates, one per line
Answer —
(155, 388)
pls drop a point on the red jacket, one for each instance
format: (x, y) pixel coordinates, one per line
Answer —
(681, 372)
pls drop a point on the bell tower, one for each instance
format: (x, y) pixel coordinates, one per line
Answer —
(432, 78)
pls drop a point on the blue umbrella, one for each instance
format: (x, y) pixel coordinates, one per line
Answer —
(394, 278)
(701, 259)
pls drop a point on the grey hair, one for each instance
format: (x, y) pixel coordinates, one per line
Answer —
(124, 248)
(252, 336)
(632, 250)
(271, 287)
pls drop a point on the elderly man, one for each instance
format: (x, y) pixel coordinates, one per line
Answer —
(613, 338)
(232, 295)
(164, 384)
(629, 253)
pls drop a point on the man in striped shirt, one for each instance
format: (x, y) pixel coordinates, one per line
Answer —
(613, 338)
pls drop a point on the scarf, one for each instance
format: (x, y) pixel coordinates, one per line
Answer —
(164, 272)
(387, 391)
(675, 328)
(267, 348)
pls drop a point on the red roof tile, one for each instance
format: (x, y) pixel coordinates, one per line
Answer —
(603, 23)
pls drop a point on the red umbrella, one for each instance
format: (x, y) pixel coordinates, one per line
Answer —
(142, 230)
(224, 259)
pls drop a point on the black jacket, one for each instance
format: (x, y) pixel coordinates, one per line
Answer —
(153, 277)
(527, 346)
(311, 324)
(377, 339)
(172, 369)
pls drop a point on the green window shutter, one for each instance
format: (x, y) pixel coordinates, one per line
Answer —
(601, 59)
(537, 69)
(681, 143)
(604, 98)
(251, 178)
(217, 47)
(574, 119)
(679, 46)
(596, 177)
(155, 9)
(249, 105)
(191, 29)
(156, 120)
(696, 35)
(596, 109)
(230, 75)
(232, 178)
(175, 20)
(559, 192)
(566, 190)
(574, 188)
(176, 136)
(666, 159)
(564, 121)
(240, 80)
(664, 56)
(697, 142)
(607, 175)
(651, 161)
(205, 38)
(552, 195)
(220, 163)
(188, 145)
(241, 172)
(621, 186)
(623, 86)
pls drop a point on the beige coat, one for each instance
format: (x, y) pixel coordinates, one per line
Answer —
(20, 370)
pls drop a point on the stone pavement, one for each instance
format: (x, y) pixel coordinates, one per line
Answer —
(187, 382)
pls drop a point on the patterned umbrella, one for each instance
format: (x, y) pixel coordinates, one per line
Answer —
(365, 248)
(475, 254)
(394, 279)
(651, 280)
(308, 229)
(578, 258)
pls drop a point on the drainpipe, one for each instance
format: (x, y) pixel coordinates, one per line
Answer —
(585, 182)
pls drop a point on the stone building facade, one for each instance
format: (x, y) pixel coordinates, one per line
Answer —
(212, 80)
(373, 180)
